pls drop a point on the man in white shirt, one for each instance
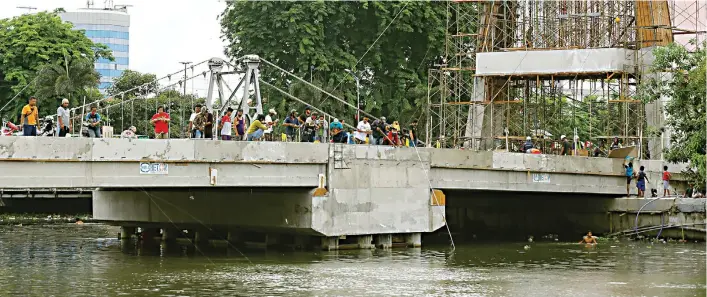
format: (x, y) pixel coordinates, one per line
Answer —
(268, 121)
(197, 110)
(362, 130)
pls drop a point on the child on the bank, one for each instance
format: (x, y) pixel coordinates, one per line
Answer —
(666, 181)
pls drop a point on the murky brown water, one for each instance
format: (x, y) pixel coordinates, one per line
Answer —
(70, 260)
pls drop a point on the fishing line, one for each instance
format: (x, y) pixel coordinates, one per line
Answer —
(175, 226)
(200, 222)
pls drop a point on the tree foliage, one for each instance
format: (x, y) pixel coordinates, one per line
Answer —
(318, 40)
(142, 96)
(683, 82)
(31, 41)
(70, 78)
(131, 81)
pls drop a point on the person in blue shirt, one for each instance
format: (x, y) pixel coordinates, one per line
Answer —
(629, 174)
(292, 125)
(93, 120)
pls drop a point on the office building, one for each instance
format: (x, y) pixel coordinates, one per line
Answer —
(110, 27)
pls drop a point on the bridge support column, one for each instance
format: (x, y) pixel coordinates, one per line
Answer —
(150, 233)
(201, 237)
(170, 234)
(330, 243)
(272, 239)
(413, 239)
(365, 242)
(127, 232)
(233, 237)
(384, 241)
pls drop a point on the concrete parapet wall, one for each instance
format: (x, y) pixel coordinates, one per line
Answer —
(464, 159)
(171, 150)
(685, 205)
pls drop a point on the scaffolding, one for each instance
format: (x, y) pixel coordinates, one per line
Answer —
(473, 108)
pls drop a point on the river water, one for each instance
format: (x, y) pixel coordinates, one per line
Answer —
(88, 260)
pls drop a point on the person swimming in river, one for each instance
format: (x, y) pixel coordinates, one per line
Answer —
(589, 239)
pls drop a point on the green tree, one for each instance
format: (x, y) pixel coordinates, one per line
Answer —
(68, 78)
(136, 107)
(318, 40)
(31, 41)
(130, 80)
(683, 81)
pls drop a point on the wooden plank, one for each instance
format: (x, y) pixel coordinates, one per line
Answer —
(623, 152)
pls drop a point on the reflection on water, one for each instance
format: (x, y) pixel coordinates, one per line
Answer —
(88, 260)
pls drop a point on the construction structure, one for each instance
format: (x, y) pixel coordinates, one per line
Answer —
(514, 69)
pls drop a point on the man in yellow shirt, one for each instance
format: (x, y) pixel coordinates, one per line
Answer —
(28, 119)
(257, 128)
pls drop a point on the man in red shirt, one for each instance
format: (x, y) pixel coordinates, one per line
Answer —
(161, 122)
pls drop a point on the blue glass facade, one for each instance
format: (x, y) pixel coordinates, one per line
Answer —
(108, 27)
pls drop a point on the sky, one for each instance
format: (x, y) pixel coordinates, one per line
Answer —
(162, 32)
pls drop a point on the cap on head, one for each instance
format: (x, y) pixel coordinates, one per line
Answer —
(272, 111)
(563, 136)
(132, 128)
(528, 138)
(336, 120)
(64, 101)
(382, 118)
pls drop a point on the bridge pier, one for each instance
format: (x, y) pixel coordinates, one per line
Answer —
(127, 232)
(384, 241)
(170, 234)
(413, 240)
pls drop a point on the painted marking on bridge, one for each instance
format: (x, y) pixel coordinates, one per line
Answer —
(154, 168)
(541, 177)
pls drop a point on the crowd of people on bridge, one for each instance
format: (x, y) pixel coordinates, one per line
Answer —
(308, 126)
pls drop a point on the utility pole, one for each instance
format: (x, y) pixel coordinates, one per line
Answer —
(29, 8)
(358, 95)
(185, 83)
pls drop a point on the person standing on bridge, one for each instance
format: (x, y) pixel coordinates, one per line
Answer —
(197, 111)
(199, 123)
(322, 129)
(94, 123)
(239, 120)
(270, 122)
(161, 122)
(63, 118)
(566, 148)
(413, 133)
(28, 120)
(362, 130)
(292, 126)
(379, 131)
(225, 125)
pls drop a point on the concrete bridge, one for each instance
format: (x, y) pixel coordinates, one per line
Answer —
(326, 190)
